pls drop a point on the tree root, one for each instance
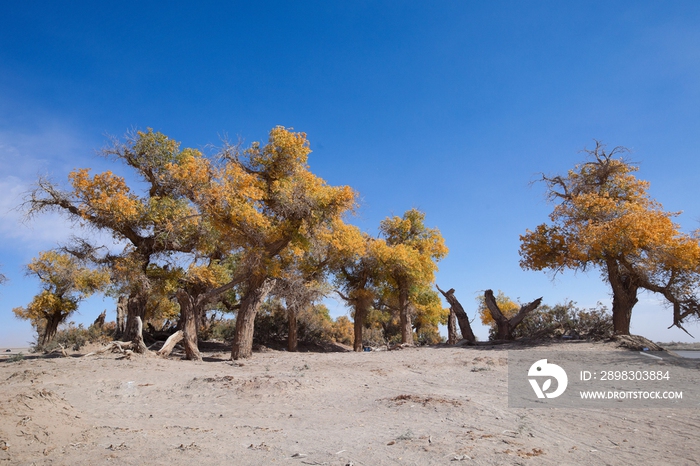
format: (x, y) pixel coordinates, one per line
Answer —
(127, 348)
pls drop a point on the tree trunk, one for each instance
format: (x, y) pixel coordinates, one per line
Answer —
(52, 322)
(624, 297)
(121, 316)
(135, 307)
(100, 321)
(357, 331)
(452, 328)
(137, 343)
(170, 343)
(258, 290)
(361, 305)
(292, 334)
(504, 325)
(405, 316)
(188, 319)
(462, 318)
(622, 311)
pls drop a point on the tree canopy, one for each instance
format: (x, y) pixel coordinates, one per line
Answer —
(64, 283)
(149, 223)
(198, 231)
(410, 258)
(264, 204)
(603, 217)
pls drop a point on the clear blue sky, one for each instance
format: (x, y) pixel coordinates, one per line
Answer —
(450, 107)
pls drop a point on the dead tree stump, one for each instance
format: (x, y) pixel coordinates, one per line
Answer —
(505, 326)
(462, 318)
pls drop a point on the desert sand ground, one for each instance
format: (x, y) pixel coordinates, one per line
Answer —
(422, 406)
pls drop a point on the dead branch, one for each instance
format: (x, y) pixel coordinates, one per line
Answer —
(504, 325)
(462, 318)
(170, 343)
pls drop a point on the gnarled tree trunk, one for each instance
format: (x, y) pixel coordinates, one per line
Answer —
(504, 325)
(52, 322)
(135, 307)
(358, 326)
(188, 324)
(361, 303)
(452, 328)
(121, 316)
(258, 289)
(624, 297)
(137, 343)
(455, 306)
(170, 343)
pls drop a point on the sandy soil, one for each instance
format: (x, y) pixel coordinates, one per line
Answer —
(414, 406)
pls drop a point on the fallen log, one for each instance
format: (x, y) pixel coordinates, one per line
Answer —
(170, 343)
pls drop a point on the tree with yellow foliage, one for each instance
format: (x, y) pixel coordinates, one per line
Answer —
(263, 203)
(358, 275)
(603, 217)
(410, 258)
(152, 223)
(64, 282)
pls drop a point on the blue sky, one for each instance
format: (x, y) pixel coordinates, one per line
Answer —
(450, 107)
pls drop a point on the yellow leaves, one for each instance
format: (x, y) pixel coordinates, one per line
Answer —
(507, 306)
(411, 250)
(606, 216)
(285, 154)
(128, 269)
(105, 196)
(546, 247)
(268, 199)
(428, 307)
(64, 283)
(89, 281)
(342, 239)
(191, 173)
(211, 276)
(61, 273)
(44, 306)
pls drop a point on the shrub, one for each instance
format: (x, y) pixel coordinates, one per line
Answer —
(429, 335)
(314, 324)
(221, 329)
(342, 331)
(74, 337)
(19, 357)
(373, 336)
(564, 320)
